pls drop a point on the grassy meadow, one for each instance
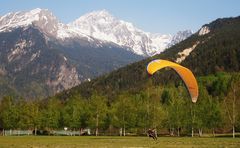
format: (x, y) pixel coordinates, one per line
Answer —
(113, 142)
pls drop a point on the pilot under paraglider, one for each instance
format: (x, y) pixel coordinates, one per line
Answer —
(152, 134)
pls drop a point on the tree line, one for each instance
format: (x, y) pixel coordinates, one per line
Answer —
(167, 108)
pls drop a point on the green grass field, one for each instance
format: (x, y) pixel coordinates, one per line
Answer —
(113, 142)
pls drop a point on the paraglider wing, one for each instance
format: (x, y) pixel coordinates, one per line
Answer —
(186, 75)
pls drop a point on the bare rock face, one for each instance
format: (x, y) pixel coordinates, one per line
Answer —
(32, 67)
(65, 77)
(204, 30)
(3, 71)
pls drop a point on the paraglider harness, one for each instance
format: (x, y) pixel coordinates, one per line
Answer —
(152, 134)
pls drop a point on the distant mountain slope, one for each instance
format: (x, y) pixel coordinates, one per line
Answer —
(35, 61)
(215, 47)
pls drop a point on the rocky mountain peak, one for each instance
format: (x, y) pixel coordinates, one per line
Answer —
(41, 18)
(179, 36)
(102, 25)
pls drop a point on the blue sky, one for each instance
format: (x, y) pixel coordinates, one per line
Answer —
(156, 16)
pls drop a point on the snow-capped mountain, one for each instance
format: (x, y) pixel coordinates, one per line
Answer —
(43, 19)
(180, 36)
(102, 25)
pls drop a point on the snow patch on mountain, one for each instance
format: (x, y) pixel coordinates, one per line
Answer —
(35, 55)
(17, 51)
(65, 31)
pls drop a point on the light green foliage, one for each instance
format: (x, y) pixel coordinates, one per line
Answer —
(207, 111)
(29, 114)
(98, 107)
(50, 114)
(155, 108)
(124, 111)
(177, 114)
(72, 113)
(231, 102)
(9, 113)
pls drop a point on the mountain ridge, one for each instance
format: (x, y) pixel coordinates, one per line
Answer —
(98, 24)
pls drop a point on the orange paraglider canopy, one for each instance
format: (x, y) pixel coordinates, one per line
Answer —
(186, 75)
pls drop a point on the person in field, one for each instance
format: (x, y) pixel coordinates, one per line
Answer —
(152, 134)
